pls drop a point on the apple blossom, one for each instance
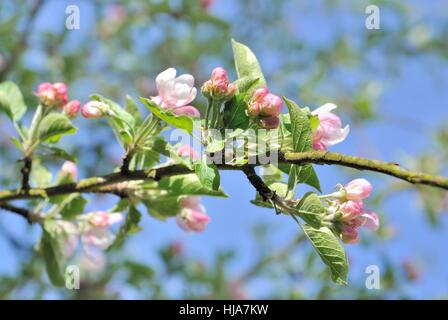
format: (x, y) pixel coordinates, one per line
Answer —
(175, 93)
(219, 87)
(93, 110)
(103, 219)
(187, 151)
(72, 108)
(192, 216)
(69, 170)
(330, 131)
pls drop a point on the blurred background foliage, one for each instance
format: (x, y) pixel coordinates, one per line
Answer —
(313, 51)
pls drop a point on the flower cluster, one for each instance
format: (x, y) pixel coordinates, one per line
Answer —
(347, 208)
(219, 86)
(266, 107)
(192, 216)
(91, 230)
(55, 95)
(330, 131)
(175, 94)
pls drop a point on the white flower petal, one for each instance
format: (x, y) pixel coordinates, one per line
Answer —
(326, 108)
(164, 78)
(187, 79)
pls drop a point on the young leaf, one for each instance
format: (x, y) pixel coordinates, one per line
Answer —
(162, 207)
(52, 248)
(72, 206)
(311, 209)
(11, 101)
(181, 121)
(132, 109)
(40, 175)
(188, 184)
(246, 63)
(55, 152)
(330, 250)
(300, 127)
(235, 113)
(208, 174)
(54, 126)
(302, 141)
(131, 226)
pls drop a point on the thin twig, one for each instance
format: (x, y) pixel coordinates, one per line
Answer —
(20, 211)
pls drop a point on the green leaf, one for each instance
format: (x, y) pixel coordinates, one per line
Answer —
(55, 152)
(17, 143)
(311, 209)
(188, 184)
(247, 84)
(330, 250)
(131, 226)
(208, 174)
(11, 101)
(132, 109)
(52, 248)
(181, 121)
(72, 206)
(246, 63)
(162, 207)
(302, 141)
(40, 175)
(54, 126)
(235, 115)
(300, 127)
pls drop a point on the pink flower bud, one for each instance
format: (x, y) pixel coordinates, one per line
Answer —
(219, 74)
(187, 151)
(93, 110)
(71, 109)
(329, 131)
(349, 234)
(69, 170)
(192, 216)
(192, 220)
(351, 209)
(46, 93)
(103, 219)
(60, 93)
(259, 94)
(218, 87)
(357, 189)
(254, 109)
(52, 94)
(177, 248)
(267, 106)
(270, 122)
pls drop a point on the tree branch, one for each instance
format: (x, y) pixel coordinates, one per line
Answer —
(92, 185)
(388, 168)
(26, 171)
(20, 211)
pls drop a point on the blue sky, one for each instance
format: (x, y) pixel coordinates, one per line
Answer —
(414, 95)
